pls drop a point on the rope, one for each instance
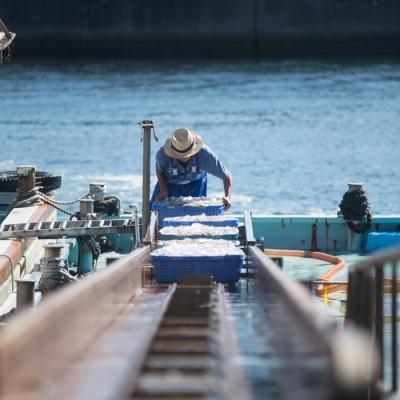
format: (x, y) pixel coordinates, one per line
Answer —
(32, 197)
(113, 196)
(63, 210)
(355, 210)
(53, 274)
(63, 203)
(318, 282)
(56, 203)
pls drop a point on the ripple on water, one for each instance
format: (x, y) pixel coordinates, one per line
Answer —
(283, 128)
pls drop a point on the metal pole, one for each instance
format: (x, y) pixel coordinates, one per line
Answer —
(394, 327)
(26, 178)
(135, 217)
(146, 127)
(25, 293)
(379, 315)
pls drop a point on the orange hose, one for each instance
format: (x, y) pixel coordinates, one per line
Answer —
(338, 264)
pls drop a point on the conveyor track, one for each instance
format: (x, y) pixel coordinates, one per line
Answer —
(188, 357)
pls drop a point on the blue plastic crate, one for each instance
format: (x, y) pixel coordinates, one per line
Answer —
(381, 240)
(229, 222)
(178, 211)
(224, 269)
(216, 237)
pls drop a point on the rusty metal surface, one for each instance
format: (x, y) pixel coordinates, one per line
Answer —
(41, 345)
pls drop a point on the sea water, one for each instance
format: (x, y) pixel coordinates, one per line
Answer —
(293, 133)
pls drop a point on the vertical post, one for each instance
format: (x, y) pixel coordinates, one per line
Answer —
(26, 178)
(146, 127)
(379, 315)
(394, 327)
(135, 217)
(25, 293)
(86, 208)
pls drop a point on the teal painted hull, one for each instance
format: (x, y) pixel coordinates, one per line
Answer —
(325, 233)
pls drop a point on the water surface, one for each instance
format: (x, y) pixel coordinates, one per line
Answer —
(293, 133)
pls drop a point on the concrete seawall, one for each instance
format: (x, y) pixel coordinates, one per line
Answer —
(203, 28)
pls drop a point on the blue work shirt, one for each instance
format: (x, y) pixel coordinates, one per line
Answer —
(205, 159)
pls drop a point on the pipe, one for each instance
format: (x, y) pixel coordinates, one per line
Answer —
(135, 212)
(86, 207)
(11, 269)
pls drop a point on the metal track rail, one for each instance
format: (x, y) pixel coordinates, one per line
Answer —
(108, 337)
(188, 357)
(341, 362)
(37, 349)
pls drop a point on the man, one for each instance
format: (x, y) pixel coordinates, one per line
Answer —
(182, 165)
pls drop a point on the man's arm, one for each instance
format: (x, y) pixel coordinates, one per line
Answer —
(213, 166)
(163, 186)
(228, 191)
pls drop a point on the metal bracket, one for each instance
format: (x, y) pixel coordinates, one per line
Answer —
(148, 124)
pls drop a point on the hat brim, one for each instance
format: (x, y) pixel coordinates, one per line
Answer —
(170, 152)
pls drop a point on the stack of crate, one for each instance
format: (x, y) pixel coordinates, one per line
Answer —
(197, 240)
(187, 206)
(199, 231)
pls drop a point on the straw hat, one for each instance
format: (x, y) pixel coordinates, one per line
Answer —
(183, 143)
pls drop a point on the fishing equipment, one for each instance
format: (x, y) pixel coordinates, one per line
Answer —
(54, 269)
(355, 209)
(46, 182)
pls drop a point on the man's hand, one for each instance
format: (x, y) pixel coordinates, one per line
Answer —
(227, 202)
(161, 195)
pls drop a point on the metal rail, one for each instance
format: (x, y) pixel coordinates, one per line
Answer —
(109, 337)
(341, 360)
(54, 229)
(146, 128)
(369, 279)
(248, 225)
(40, 346)
(190, 344)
